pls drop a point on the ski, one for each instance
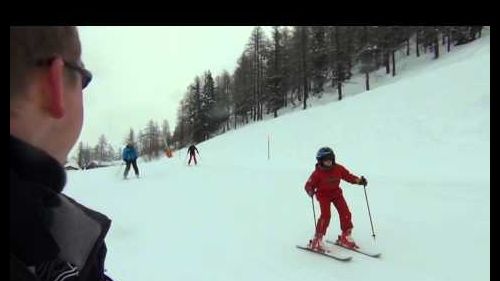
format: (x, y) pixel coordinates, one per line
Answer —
(373, 255)
(326, 254)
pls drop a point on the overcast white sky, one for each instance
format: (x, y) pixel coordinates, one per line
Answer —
(141, 73)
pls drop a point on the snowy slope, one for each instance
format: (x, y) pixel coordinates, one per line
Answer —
(421, 141)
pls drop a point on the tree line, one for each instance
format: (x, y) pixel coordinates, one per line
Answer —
(296, 63)
(286, 68)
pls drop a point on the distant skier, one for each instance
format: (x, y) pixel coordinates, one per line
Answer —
(168, 152)
(324, 183)
(192, 155)
(129, 155)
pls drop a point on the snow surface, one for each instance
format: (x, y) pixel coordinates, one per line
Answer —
(422, 140)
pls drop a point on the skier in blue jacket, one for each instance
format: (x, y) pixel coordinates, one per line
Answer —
(129, 155)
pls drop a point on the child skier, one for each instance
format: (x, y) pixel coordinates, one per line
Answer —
(324, 182)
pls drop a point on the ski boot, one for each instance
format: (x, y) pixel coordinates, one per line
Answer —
(345, 240)
(317, 244)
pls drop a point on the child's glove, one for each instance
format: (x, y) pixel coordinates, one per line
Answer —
(363, 181)
(310, 191)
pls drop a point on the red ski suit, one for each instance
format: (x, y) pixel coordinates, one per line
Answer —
(326, 184)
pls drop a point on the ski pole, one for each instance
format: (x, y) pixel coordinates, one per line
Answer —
(314, 211)
(369, 213)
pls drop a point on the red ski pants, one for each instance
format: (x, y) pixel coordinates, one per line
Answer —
(192, 156)
(342, 209)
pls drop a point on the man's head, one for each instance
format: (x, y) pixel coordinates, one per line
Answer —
(46, 81)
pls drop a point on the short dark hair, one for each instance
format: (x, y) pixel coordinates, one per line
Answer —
(29, 44)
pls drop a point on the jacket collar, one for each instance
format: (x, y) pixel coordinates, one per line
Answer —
(320, 168)
(34, 165)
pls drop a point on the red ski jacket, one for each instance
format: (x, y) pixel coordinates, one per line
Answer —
(326, 181)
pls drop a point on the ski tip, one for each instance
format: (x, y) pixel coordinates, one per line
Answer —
(326, 253)
(359, 250)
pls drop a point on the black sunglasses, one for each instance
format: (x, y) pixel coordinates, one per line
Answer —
(84, 73)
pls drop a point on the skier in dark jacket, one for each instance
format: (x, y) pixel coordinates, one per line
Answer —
(129, 155)
(192, 155)
(51, 236)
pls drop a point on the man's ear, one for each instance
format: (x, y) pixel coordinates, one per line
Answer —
(55, 88)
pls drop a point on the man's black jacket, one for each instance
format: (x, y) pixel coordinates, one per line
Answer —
(51, 235)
